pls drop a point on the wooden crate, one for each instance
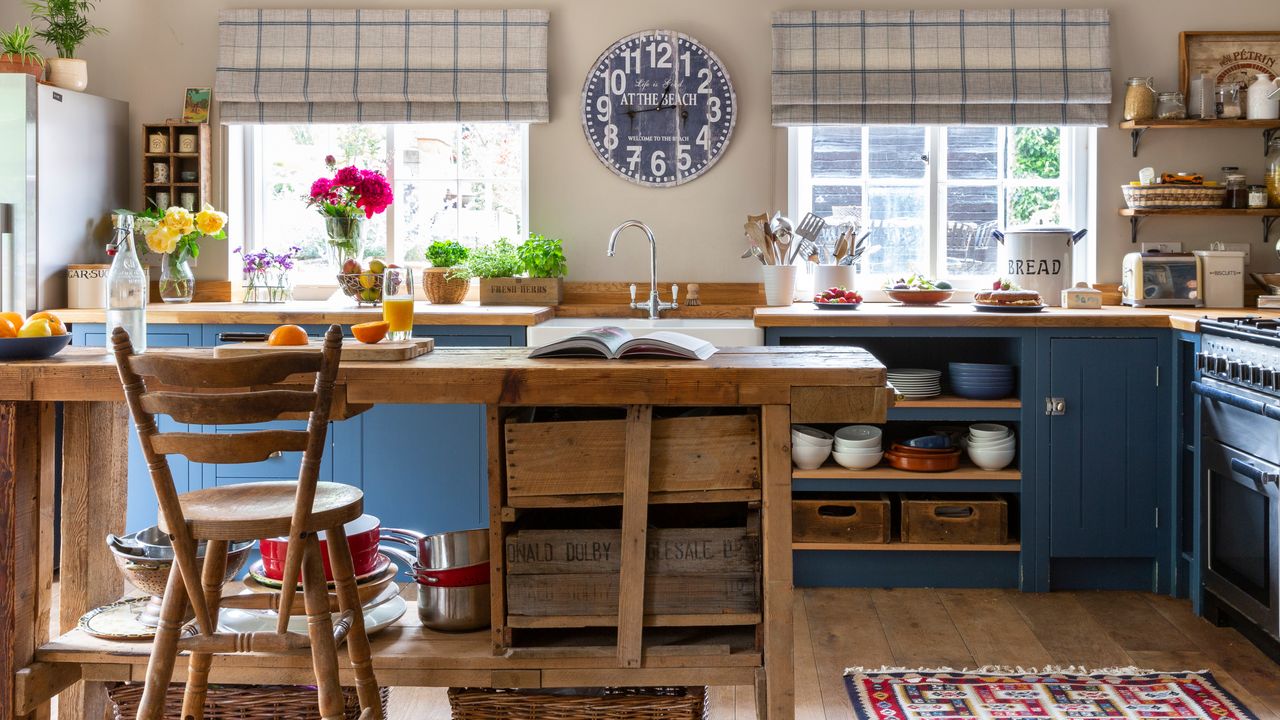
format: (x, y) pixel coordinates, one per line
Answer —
(521, 291)
(841, 519)
(718, 452)
(594, 594)
(955, 520)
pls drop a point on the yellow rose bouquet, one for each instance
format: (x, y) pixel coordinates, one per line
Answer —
(175, 233)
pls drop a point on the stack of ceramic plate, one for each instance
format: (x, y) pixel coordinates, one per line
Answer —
(981, 381)
(916, 382)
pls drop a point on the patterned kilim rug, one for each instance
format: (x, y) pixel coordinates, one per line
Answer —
(1062, 694)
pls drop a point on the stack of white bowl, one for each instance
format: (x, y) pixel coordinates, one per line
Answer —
(991, 446)
(810, 446)
(916, 382)
(857, 447)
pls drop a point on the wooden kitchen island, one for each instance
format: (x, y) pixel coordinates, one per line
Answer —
(776, 386)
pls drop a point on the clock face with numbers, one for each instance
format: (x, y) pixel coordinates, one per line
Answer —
(658, 108)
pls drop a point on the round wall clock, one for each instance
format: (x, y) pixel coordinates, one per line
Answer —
(658, 108)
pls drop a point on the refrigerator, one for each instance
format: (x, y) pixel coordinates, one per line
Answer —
(64, 166)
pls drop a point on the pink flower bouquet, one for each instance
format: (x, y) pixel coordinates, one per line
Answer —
(350, 192)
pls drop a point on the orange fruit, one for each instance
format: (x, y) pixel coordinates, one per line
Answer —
(371, 333)
(14, 318)
(7, 330)
(55, 323)
(287, 335)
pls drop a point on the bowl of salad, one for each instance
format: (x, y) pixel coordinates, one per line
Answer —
(919, 290)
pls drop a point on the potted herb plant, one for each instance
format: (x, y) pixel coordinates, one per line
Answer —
(66, 26)
(442, 282)
(542, 259)
(18, 54)
(496, 265)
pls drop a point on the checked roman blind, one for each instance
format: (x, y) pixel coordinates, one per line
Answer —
(382, 66)
(941, 67)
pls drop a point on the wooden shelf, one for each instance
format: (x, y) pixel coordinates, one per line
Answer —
(1135, 215)
(832, 471)
(1136, 128)
(615, 499)
(954, 401)
(906, 547)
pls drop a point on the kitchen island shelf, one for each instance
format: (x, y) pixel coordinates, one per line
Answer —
(615, 499)
(1137, 128)
(955, 401)
(912, 485)
(905, 547)
(658, 620)
(956, 408)
(884, 472)
(1135, 215)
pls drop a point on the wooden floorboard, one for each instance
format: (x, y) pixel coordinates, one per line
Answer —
(837, 628)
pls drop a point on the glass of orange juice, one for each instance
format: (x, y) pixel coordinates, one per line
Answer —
(397, 303)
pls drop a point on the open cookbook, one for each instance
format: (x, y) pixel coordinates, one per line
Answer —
(613, 342)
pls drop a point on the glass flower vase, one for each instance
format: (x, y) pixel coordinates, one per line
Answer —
(177, 282)
(267, 286)
(346, 239)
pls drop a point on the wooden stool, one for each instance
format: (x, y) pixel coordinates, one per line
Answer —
(210, 391)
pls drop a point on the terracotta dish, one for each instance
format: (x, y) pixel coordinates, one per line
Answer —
(937, 463)
(908, 451)
(920, 297)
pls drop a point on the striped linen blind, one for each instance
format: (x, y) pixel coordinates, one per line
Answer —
(382, 66)
(942, 67)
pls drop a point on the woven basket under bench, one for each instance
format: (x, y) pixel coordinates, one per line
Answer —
(672, 703)
(241, 702)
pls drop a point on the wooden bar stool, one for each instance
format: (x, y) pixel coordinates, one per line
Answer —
(211, 391)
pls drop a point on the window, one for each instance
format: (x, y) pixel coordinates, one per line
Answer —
(458, 181)
(930, 196)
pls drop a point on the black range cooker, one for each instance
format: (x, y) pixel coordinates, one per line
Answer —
(1239, 390)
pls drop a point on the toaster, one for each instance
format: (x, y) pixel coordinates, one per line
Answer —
(1162, 279)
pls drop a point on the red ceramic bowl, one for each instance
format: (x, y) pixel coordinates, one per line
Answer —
(363, 535)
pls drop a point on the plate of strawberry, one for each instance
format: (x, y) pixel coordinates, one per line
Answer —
(837, 298)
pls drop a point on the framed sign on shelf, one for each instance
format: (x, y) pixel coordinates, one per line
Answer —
(1230, 57)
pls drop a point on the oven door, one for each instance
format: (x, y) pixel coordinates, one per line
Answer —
(1242, 545)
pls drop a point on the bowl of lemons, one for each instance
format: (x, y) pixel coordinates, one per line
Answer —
(36, 337)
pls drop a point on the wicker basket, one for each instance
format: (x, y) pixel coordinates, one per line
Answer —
(443, 290)
(1167, 197)
(677, 703)
(241, 702)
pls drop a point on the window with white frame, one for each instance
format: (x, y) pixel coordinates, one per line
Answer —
(929, 197)
(451, 181)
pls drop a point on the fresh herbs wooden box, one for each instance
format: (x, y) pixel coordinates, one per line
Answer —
(521, 291)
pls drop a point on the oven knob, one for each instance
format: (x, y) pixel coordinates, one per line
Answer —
(1269, 379)
(1233, 369)
(1255, 374)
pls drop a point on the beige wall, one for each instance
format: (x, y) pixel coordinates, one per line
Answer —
(158, 47)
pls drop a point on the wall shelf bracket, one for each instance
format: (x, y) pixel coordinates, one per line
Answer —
(1267, 222)
(1133, 228)
(1267, 135)
(1135, 136)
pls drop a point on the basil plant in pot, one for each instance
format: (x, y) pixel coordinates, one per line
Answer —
(443, 283)
(18, 54)
(501, 265)
(65, 25)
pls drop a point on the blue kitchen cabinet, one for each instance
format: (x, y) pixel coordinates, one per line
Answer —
(142, 508)
(1102, 458)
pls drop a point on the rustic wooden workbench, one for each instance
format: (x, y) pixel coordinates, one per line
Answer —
(782, 383)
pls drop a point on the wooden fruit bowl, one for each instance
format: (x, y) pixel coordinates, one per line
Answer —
(920, 297)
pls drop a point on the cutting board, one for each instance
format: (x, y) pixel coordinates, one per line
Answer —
(351, 350)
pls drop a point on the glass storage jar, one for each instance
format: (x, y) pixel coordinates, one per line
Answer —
(1170, 106)
(1228, 103)
(1273, 173)
(1139, 99)
(1237, 197)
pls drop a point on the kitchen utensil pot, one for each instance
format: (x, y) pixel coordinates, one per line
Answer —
(363, 535)
(452, 573)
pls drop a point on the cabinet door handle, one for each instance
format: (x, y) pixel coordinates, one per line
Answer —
(1055, 406)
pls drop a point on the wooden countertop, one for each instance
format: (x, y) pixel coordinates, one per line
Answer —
(321, 312)
(963, 315)
(733, 376)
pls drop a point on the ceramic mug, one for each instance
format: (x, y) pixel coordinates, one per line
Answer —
(162, 200)
(160, 172)
(186, 143)
(158, 143)
(187, 200)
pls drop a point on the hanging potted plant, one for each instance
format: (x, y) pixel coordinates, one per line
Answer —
(18, 54)
(443, 282)
(345, 200)
(176, 236)
(65, 27)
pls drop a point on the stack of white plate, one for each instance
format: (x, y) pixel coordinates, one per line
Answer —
(916, 382)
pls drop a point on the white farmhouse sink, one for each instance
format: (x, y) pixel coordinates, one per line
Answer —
(717, 331)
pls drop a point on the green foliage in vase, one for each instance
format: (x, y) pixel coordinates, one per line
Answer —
(501, 259)
(446, 253)
(66, 23)
(543, 257)
(17, 45)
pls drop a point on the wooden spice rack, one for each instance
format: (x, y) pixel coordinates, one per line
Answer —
(200, 162)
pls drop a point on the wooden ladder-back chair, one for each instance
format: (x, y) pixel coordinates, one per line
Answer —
(215, 391)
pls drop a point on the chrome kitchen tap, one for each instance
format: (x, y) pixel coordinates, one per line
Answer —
(654, 304)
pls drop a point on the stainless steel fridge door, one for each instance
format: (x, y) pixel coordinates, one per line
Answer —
(82, 175)
(17, 186)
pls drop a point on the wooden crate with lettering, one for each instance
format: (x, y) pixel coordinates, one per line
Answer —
(841, 519)
(711, 452)
(573, 575)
